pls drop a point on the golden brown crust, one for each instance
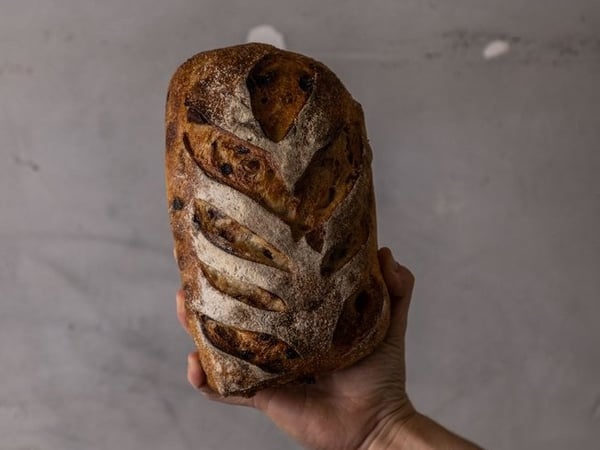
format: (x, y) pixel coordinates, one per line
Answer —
(272, 210)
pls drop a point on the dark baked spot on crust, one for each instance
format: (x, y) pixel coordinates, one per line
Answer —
(251, 166)
(182, 262)
(290, 353)
(227, 235)
(264, 337)
(226, 169)
(188, 290)
(261, 79)
(361, 302)
(234, 238)
(177, 204)
(244, 292)
(330, 196)
(306, 82)
(197, 220)
(271, 355)
(247, 355)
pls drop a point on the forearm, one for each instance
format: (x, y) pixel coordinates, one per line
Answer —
(417, 432)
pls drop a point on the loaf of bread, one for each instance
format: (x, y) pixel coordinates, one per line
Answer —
(270, 194)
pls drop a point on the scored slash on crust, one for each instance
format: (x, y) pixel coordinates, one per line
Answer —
(263, 350)
(244, 292)
(227, 234)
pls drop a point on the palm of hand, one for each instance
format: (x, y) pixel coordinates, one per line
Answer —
(343, 407)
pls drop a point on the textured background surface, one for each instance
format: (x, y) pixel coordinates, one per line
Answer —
(487, 183)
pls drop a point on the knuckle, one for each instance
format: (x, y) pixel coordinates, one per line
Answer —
(407, 276)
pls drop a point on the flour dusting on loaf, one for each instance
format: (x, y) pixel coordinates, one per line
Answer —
(270, 193)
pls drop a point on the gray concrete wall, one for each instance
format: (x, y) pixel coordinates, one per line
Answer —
(487, 186)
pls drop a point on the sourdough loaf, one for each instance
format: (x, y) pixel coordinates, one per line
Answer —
(270, 194)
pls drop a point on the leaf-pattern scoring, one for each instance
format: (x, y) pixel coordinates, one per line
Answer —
(325, 183)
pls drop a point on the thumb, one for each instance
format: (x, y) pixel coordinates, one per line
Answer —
(400, 283)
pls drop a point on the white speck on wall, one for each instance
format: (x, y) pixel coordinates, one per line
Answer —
(495, 49)
(266, 34)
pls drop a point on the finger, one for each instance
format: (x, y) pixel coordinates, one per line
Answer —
(399, 280)
(181, 314)
(197, 378)
(400, 283)
(195, 375)
(238, 401)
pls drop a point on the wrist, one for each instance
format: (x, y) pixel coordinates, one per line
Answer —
(417, 432)
(389, 430)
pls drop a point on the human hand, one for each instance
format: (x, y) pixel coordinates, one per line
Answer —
(348, 408)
